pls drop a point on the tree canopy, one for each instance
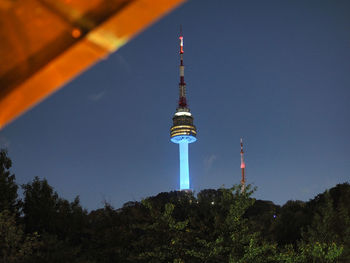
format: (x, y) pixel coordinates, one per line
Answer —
(215, 225)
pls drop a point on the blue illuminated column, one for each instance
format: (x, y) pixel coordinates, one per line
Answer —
(183, 141)
(184, 169)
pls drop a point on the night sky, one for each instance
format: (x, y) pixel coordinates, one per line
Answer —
(276, 73)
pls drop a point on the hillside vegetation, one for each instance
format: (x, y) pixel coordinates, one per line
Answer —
(220, 225)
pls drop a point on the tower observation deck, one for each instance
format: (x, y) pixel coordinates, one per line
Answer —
(183, 132)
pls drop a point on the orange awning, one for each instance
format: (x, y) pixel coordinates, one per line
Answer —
(46, 43)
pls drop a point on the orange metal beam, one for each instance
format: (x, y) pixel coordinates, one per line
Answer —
(86, 37)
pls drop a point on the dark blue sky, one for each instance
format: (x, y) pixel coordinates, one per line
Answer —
(275, 72)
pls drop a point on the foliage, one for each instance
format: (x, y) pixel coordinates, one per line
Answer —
(222, 225)
(15, 246)
(60, 223)
(8, 186)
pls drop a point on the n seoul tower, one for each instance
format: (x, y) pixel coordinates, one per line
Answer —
(242, 168)
(183, 132)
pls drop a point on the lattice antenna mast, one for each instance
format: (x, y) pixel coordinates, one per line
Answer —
(242, 168)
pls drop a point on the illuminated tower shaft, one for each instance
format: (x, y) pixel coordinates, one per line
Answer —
(242, 167)
(184, 168)
(183, 131)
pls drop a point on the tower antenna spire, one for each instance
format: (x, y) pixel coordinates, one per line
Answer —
(242, 168)
(182, 84)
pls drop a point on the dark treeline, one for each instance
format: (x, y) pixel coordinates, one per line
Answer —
(221, 225)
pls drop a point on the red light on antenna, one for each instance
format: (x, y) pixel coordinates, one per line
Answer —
(181, 44)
